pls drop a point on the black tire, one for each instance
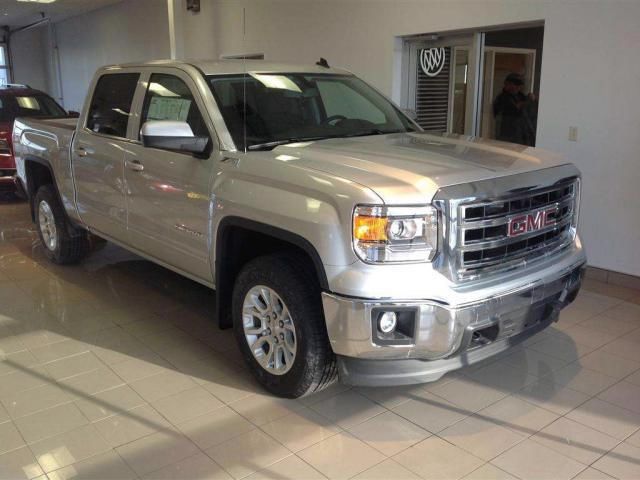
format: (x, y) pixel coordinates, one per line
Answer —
(71, 244)
(314, 366)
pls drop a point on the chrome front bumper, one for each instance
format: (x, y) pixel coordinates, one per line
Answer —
(445, 337)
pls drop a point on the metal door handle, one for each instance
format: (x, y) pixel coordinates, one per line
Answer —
(83, 151)
(135, 165)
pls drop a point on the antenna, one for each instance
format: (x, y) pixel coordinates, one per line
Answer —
(244, 80)
(323, 63)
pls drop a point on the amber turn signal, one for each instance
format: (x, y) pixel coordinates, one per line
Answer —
(370, 229)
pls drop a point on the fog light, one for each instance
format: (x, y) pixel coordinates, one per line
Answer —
(387, 322)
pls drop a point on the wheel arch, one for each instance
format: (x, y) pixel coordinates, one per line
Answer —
(239, 240)
(38, 172)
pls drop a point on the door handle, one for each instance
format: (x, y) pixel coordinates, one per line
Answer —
(83, 151)
(135, 165)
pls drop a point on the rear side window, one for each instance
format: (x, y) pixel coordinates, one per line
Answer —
(110, 107)
(169, 98)
(38, 106)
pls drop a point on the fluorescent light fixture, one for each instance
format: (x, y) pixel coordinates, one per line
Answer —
(280, 82)
(161, 90)
(37, 1)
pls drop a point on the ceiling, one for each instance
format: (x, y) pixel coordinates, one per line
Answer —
(16, 14)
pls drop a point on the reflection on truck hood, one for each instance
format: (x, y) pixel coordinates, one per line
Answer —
(409, 168)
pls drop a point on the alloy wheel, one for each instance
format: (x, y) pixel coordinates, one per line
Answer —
(269, 329)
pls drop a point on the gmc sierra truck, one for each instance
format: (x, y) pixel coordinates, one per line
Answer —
(342, 240)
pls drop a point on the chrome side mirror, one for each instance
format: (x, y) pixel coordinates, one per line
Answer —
(172, 135)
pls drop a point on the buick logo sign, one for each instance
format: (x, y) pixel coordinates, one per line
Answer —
(432, 60)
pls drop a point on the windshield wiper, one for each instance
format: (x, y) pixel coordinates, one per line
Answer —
(373, 131)
(284, 141)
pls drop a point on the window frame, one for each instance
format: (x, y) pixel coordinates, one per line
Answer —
(196, 82)
(132, 114)
(144, 106)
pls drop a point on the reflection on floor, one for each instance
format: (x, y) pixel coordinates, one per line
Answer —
(113, 369)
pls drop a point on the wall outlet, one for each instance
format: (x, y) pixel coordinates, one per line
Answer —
(573, 134)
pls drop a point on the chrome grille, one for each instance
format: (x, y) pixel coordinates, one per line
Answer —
(486, 239)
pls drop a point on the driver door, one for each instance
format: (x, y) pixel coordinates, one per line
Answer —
(168, 191)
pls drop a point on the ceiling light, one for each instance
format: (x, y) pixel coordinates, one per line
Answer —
(37, 1)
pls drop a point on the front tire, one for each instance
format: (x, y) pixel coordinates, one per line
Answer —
(279, 325)
(63, 243)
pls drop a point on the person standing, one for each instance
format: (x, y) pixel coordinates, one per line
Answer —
(515, 112)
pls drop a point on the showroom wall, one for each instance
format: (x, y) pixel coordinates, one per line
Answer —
(29, 51)
(588, 79)
(130, 31)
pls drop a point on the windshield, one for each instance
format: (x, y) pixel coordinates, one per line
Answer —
(37, 105)
(289, 107)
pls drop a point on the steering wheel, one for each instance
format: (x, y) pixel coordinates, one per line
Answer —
(333, 118)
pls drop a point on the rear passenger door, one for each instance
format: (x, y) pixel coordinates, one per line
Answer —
(98, 154)
(168, 191)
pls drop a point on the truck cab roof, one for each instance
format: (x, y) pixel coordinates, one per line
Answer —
(235, 66)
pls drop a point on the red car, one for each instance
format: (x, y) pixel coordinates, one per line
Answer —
(20, 101)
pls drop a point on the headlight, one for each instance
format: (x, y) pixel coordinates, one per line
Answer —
(395, 234)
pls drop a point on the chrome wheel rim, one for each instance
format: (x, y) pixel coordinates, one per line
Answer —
(269, 330)
(47, 223)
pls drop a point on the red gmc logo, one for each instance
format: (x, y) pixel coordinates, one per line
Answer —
(531, 222)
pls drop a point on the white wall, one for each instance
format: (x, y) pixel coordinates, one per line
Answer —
(134, 30)
(589, 79)
(28, 49)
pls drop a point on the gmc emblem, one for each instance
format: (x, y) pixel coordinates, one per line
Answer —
(530, 222)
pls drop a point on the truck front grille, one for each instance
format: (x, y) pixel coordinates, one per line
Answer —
(510, 232)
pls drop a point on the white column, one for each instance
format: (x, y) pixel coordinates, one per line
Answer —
(175, 13)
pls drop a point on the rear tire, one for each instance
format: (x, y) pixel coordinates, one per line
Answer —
(62, 242)
(277, 312)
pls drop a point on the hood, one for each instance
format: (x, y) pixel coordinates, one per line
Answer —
(409, 168)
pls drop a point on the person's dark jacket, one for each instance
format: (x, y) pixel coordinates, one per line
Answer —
(512, 123)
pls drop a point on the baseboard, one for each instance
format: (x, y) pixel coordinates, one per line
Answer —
(613, 278)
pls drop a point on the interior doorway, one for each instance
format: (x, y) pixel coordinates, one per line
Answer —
(481, 83)
(499, 63)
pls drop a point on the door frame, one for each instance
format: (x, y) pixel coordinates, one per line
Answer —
(474, 41)
(487, 88)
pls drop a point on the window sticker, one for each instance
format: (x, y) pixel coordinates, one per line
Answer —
(169, 108)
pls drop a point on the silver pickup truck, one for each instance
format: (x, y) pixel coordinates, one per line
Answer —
(342, 240)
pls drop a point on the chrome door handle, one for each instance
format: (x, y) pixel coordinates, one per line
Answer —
(83, 151)
(135, 165)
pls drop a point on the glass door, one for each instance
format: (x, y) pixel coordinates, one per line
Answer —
(443, 82)
(500, 65)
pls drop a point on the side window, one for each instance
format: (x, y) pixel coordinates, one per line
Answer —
(340, 99)
(169, 98)
(111, 103)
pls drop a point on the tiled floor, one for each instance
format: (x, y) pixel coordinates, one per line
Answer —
(113, 369)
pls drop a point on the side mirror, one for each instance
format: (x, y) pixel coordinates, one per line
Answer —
(73, 114)
(172, 135)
